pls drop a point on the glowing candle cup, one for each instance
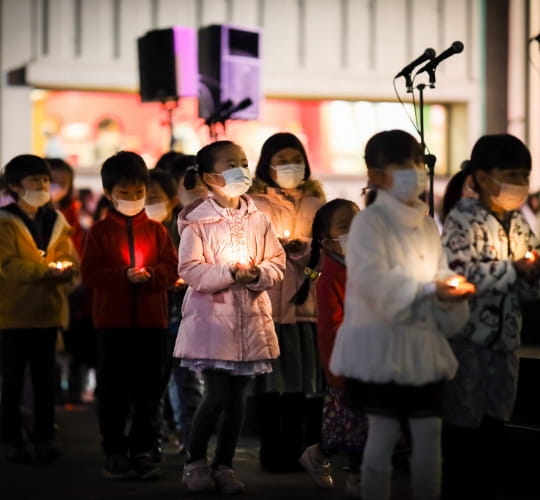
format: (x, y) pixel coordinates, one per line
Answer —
(61, 265)
(286, 234)
(530, 256)
(454, 282)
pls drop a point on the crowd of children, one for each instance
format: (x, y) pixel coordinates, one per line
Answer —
(195, 279)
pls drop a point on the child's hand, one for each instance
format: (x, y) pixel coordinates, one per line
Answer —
(244, 274)
(61, 274)
(456, 288)
(135, 275)
(293, 246)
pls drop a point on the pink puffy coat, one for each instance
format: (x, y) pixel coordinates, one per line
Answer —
(222, 319)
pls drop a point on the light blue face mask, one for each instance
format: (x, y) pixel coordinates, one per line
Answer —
(408, 184)
(237, 181)
(291, 175)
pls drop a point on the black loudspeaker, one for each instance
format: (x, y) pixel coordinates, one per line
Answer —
(229, 72)
(167, 64)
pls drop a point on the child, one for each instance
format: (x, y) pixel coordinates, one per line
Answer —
(342, 430)
(37, 261)
(399, 303)
(130, 262)
(229, 257)
(486, 240)
(285, 191)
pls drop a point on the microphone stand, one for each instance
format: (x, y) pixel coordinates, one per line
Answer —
(429, 159)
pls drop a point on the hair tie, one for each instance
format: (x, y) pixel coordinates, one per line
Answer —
(194, 167)
(311, 273)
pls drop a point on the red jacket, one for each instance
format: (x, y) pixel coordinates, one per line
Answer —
(112, 246)
(330, 288)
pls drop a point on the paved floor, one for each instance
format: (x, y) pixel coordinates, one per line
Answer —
(77, 475)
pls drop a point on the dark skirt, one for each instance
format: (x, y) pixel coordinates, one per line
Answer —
(297, 369)
(395, 400)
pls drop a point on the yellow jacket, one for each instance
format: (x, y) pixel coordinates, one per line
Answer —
(29, 297)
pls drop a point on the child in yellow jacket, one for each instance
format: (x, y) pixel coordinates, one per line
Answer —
(37, 261)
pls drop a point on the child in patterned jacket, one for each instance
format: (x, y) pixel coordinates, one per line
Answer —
(488, 241)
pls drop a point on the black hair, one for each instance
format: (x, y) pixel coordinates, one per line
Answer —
(503, 151)
(392, 146)
(320, 229)
(123, 167)
(204, 162)
(61, 165)
(454, 189)
(166, 160)
(165, 180)
(274, 144)
(180, 165)
(22, 166)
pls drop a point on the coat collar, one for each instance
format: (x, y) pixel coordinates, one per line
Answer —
(208, 211)
(408, 216)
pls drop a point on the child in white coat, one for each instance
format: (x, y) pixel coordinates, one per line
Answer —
(400, 302)
(229, 256)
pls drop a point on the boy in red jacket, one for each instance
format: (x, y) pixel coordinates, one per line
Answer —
(129, 261)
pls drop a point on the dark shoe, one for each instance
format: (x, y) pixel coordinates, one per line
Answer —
(118, 467)
(144, 467)
(46, 453)
(19, 456)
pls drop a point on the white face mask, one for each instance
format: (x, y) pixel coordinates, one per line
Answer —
(237, 181)
(129, 207)
(291, 175)
(157, 211)
(408, 184)
(511, 196)
(36, 199)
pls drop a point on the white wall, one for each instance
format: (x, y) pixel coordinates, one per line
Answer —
(311, 48)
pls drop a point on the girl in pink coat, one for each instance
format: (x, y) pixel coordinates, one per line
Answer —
(229, 256)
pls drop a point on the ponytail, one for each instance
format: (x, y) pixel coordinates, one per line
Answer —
(454, 189)
(190, 178)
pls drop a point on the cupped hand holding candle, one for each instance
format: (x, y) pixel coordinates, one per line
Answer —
(454, 288)
(138, 275)
(62, 269)
(528, 267)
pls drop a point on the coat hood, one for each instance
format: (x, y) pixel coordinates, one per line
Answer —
(310, 186)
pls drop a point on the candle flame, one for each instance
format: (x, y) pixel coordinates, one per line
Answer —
(286, 233)
(530, 256)
(454, 282)
(63, 264)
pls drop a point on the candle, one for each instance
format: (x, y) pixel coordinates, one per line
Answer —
(61, 265)
(454, 282)
(180, 281)
(286, 233)
(530, 256)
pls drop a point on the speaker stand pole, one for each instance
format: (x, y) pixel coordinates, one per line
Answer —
(169, 107)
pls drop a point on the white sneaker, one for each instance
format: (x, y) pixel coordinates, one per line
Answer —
(318, 466)
(197, 476)
(227, 481)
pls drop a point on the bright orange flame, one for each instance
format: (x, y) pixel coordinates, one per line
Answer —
(456, 281)
(286, 233)
(530, 256)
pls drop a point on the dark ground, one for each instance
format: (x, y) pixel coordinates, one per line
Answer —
(77, 475)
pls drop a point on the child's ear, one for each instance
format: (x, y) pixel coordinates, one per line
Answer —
(482, 179)
(108, 194)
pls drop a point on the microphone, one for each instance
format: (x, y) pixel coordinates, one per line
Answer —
(428, 54)
(243, 104)
(535, 38)
(216, 115)
(455, 48)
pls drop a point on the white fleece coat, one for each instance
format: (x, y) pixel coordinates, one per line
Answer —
(394, 327)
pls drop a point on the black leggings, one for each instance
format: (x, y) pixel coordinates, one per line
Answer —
(224, 396)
